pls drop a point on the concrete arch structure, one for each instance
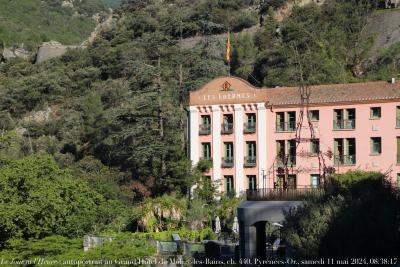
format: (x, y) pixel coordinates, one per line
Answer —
(253, 216)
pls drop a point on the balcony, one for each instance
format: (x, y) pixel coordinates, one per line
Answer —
(289, 159)
(250, 162)
(227, 162)
(286, 126)
(269, 194)
(204, 129)
(206, 159)
(345, 159)
(249, 128)
(227, 128)
(344, 124)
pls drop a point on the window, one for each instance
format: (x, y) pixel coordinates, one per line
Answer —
(250, 159)
(227, 124)
(283, 156)
(291, 144)
(286, 121)
(375, 113)
(252, 182)
(314, 147)
(345, 151)
(398, 180)
(250, 124)
(280, 151)
(206, 150)
(280, 121)
(344, 119)
(292, 181)
(229, 186)
(205, 126)
(283, 183)
(398, 117)
(398, 150)
(314, 115)
(376, 145)
(315, 180)
(227, 161)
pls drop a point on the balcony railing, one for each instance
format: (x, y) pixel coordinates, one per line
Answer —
(286, 126)
(207, 158)
(344, 124)
(345, 159)
(227, 128)
(289, 159)
(250, 161)
(268, 194)
(227, 162)
(204, 129)
(249, 128)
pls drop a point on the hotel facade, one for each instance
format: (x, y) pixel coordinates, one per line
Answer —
(272, 138)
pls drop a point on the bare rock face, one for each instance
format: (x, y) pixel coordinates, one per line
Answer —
(104, 25)
(67, 3)
(286, 10)
(53, 49)
(15, 52)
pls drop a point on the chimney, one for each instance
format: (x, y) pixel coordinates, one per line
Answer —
(393, 80)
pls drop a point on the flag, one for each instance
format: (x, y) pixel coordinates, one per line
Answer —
(228, 48)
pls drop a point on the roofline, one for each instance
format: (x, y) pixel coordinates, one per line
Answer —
(231, 77)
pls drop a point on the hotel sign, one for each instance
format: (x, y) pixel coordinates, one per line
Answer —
(226, 96)
(226, 90)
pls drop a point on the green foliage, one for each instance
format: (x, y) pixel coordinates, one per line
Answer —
(185, 234)
(294, 50)
(361, 221)
(32, 22)
(39, 199)
(60, 250)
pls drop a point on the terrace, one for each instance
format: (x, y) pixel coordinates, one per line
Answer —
(272, 194)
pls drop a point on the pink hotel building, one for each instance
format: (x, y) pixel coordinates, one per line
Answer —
(251, 134)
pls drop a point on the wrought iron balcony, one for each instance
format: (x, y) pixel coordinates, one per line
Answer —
(249, 128)
(205, 129)
(207, 158)
(344, 124)
(345, 159)
(286, 126)
(250, 161)
(289, 159)
(227, 162)
(270, 194)
(227, 128)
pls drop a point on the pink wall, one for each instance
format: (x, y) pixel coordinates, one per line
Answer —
(385, 127)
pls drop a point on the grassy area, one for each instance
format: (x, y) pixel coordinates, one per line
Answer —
(34, 21)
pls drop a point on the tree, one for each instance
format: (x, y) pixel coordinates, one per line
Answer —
(38, 199)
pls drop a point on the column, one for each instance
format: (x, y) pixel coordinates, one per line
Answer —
(216, 144)
(262, 143)
(194, 134)
(238, 149)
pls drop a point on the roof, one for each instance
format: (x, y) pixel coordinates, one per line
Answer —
(333, 93)
(241, 91)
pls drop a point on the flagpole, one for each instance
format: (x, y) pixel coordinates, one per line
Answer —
(228, 52)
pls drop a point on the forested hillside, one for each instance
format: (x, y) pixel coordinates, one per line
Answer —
(113, 116)
(31, 22)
